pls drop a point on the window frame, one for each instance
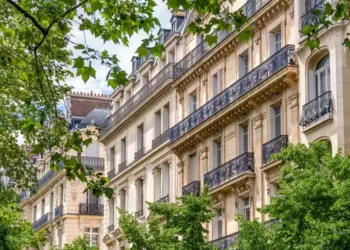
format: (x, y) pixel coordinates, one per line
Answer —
(89, 235)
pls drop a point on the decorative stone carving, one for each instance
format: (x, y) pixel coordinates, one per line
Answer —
(74, 194)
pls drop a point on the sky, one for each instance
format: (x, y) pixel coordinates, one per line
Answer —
(124, 54)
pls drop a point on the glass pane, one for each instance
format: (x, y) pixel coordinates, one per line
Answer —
(278, 121)
(95, 230)
(94, 240)
(218, 156)
(87, 230)
(328, 86)
(323, 82)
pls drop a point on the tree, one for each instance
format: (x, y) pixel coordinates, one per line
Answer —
(15, 231)
(38, 53)
(79, 243)
(176, 225)
(312, 206)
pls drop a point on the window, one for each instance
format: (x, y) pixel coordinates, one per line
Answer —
(51, 202)
(193, 167)
(192, 102)
(217, 225)
(244, 142)
(216, 154)
(42, 207)
(243, 64)
(157, 123)
(217, 83)
(34, 214)
(278, 40)
(161, 38)
(276, 121)
(139, 194)
(246, 208)
(310, 4)
(61, 194)
(166, 117)
(91, 236)
(112, 157)
(122, 196)
(322, 76)
(123, 149)
(157, 184)
(173, 27)
(140, 138)
(165, 176)
(111, 212)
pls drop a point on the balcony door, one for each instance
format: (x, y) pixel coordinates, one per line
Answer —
(322, 76)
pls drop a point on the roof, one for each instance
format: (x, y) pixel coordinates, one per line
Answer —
(97, 116)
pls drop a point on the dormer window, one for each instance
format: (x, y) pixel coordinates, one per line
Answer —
(161, 38)
(173, 27)
(134, 67)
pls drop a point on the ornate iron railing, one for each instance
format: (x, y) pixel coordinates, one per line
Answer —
(58, 211)
(122, 166)
(272, 147)
(110, 228)
(225, 242)
(90, 209)
(192, 188)
(111, 174)
(43, 180)
(139, 154)
(139, 213)
(164, 199)
(279, 60)
(249, 9)
(316, 109)
(314, 14)
(165, 74)
(46, 218)
(230, 170)
(160, 139)
(95, 163)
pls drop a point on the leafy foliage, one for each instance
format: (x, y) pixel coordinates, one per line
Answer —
(176, 225)
(15, 231)
(312, 205)
(79, 243)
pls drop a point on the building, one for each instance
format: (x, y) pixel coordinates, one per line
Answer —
(59, 207)
(206, 115)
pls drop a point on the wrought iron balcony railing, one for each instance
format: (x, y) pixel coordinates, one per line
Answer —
(164, 199)
(160, 139)
(111, 174)
(45, 219)
(313, 13)
(230, 170)
(272, 147)
(139, 154)
(225, 242)
(139, 214)
(122, 166)
(316, 109)
(165, 74)
(58, 211)
(249, 9)
(192, 188)
(110, 228)
(43, 180)
(255, 77)
(90, 209)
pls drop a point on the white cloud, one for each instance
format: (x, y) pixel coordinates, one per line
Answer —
(124, 54)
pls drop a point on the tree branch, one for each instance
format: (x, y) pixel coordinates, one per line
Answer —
(27, 15)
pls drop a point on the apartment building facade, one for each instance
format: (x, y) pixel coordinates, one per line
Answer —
(60, 207)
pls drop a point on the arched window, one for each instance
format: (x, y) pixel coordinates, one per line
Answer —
(322, 76)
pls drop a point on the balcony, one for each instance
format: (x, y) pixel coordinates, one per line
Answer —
(111, 174)
(92, 162)
(272, 147)
(110, 228)
(234, 92)
(165, 74)
(160, 139)
(313, 13)
(249, 9)
(225, 242)
(164, 199)
(90, 209)
(192, 188)
(139, 214)
(45, 219)
(43, 180)
(313, 111)
(58, 211)
(139, 154)
(230, 170)
(122, 166)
